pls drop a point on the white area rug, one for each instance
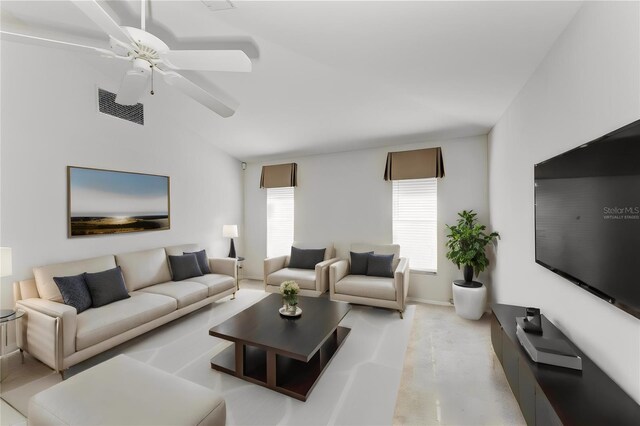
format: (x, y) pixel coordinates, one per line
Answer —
(359, 386)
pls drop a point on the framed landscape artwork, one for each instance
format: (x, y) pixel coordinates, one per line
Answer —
(112, 202)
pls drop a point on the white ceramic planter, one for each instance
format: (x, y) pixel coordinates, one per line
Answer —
(469, 302)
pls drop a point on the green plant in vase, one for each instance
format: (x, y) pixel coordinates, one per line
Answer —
(289, 291)
(466, 243)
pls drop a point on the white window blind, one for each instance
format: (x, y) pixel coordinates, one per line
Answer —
(279, 221)
(415, 221)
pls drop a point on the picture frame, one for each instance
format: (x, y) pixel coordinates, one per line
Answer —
(107, 202)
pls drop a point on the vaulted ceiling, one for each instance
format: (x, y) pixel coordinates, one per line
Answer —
(334, 76)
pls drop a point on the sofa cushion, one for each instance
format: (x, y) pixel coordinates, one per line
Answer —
(329, 252)
(43, 275)
(359, 263)
(106, 286)
(305, 258)
(143, 268)
(380, 265)
(393, 249)
(203, 260)
(306, 278)
(365, 286)
(99, 324)
(74, 291)
(217, 283)
(185, 292)
(184, 266)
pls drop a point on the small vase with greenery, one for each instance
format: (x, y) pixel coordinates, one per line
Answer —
(289, 291)
(466, 243)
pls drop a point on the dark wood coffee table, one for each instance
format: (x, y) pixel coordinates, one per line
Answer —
(287, 355)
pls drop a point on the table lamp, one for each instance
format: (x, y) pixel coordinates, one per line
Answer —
(230, 231)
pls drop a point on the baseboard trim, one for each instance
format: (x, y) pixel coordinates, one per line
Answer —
(429, 302)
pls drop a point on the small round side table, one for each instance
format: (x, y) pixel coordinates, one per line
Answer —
(239, 266)
(6, 316)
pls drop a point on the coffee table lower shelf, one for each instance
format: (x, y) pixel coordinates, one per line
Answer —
(278, 372)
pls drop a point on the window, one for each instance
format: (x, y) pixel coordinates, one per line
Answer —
(415, 220)
(279, 221)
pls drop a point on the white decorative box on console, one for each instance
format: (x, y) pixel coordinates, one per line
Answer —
(58, 336)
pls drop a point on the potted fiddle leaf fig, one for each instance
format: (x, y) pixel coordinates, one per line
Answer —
(466, 246)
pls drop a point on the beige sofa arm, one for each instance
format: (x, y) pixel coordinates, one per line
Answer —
(273, 264)
(337, 271)
(224, 265)
(401, 280)
(322, 274)
(49, 330)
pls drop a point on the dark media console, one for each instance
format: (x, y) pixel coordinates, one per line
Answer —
(550, 395)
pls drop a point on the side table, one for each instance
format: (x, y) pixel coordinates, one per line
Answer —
(7, 316)
(239, 259)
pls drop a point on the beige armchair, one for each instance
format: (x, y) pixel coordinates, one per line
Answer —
(312, 282)
(371, 290)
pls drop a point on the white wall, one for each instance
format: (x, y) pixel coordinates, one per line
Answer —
(49, 121)
(344, 199)
(587, 86)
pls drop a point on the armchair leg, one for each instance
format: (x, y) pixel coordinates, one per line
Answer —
(233, 296)
(401, 316)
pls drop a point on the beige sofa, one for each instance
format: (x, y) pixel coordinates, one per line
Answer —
(56, 335)
(367, 290)
(312, 282)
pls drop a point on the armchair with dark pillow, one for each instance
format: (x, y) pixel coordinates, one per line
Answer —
(307, 265)
(374, 275)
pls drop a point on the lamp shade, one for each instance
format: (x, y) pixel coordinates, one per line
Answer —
(230, 231)
(5, 261)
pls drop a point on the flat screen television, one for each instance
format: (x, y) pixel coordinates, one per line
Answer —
(587, 216)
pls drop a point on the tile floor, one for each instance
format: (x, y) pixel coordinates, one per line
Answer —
(450, 375)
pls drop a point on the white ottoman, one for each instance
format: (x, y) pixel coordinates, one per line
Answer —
(123, 391)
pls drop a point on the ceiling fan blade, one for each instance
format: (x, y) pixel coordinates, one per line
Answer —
(100, 17)
(58, 44)
(224, 108)
(134, 83)
(207, 60)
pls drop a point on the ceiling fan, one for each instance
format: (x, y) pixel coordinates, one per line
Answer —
(149, 54)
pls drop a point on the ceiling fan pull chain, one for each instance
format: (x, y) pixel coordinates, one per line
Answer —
(151, 79)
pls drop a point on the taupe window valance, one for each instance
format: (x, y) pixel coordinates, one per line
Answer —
(416, 164)
(279, 176)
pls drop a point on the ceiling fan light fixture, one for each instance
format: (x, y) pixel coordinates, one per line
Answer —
(134, 83)
(142, 66)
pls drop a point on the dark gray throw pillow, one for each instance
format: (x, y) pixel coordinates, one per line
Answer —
(106, 286)
(203, 260)
(74, 291)
(185, 266)
(359, 263)
(380, 265)
(305, 258)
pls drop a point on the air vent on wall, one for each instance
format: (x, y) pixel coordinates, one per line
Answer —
(107, 105)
